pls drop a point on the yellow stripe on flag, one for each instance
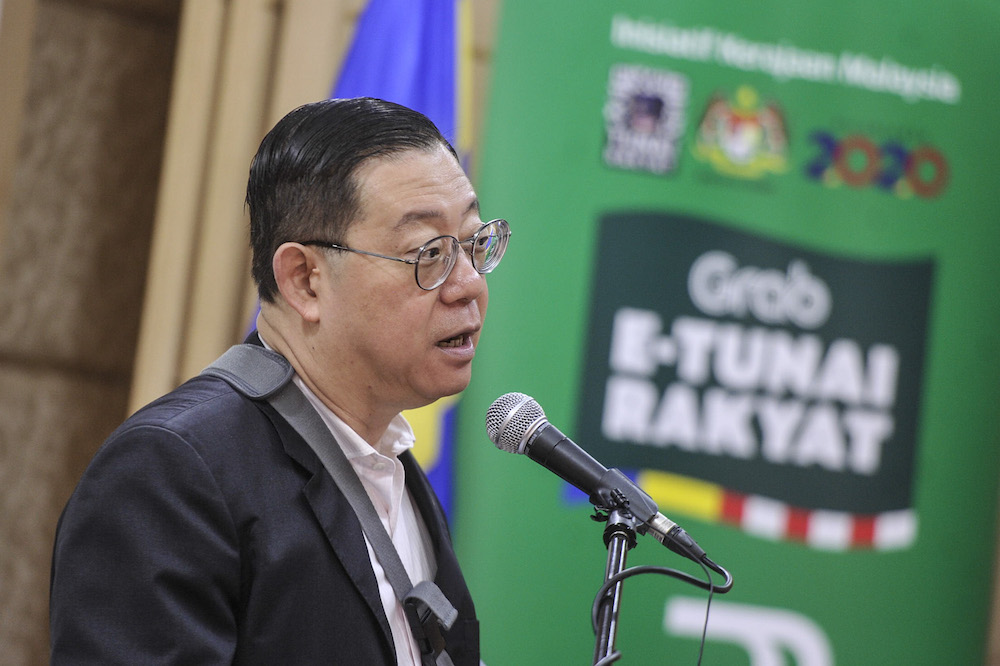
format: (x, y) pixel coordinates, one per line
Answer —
(683, 494)
(428, 424)
(465, 58)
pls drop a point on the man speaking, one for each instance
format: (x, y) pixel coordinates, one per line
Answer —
(269, 510)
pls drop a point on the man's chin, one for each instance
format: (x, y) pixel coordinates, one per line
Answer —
(448, 388)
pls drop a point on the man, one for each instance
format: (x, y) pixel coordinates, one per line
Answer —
(207, 529)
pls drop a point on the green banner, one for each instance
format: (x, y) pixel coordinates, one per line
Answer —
(752, 267)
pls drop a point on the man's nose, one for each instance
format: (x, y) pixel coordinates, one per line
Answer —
(464, 282)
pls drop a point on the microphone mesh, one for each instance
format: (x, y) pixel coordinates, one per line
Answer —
(508, 420)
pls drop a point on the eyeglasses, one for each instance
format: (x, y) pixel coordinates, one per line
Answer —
(438, 256)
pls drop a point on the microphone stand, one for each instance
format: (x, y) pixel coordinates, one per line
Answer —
(619, 537)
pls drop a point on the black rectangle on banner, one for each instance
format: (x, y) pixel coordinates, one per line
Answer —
(765, 368)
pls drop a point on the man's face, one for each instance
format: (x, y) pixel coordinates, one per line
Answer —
(387, 340)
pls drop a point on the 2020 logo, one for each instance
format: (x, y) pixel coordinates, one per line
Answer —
(859, 162)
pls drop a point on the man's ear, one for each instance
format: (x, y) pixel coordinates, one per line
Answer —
(296, 269)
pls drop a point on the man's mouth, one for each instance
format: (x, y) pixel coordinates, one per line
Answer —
(456, 341)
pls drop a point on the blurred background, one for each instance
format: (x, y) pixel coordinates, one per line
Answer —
(126, 132)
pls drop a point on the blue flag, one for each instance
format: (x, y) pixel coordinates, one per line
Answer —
(406, 51)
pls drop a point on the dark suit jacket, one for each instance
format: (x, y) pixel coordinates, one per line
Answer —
(206, 531)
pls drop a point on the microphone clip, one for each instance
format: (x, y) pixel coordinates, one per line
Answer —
(621, 525)
(622, 505)
(616, 492)
(620, 522)
(599, 515)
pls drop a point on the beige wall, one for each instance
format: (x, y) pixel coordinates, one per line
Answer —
(80, 167)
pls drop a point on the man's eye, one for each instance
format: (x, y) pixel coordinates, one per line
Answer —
(432, 253)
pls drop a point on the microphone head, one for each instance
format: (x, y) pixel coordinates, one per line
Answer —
(511, 419)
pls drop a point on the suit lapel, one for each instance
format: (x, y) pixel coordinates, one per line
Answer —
(449, 576)
(462, 639)
(337, 519)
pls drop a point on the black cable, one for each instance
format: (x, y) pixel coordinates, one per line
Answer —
(710, 586)
(728, 585)
(708, 608)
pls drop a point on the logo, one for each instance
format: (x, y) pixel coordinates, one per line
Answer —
(892, 167)
(757, 383)
(742, 137)
(644, 118)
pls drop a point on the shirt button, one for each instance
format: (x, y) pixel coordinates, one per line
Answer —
(378, 465)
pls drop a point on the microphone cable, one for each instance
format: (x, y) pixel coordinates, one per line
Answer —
(708, 584)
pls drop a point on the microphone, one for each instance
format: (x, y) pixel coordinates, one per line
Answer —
(516, 423)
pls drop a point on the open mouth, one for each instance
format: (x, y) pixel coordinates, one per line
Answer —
(456, 341)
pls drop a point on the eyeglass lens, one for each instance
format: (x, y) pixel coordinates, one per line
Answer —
(438, 257)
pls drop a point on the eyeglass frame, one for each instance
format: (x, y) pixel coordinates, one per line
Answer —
(503, 236)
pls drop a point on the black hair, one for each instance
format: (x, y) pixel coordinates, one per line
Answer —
(302, 184)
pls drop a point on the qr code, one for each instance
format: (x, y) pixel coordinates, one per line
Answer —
(644, 118)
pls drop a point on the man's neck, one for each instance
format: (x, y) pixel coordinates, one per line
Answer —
(370, 423)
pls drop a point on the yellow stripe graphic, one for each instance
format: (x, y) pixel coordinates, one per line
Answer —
(464, 60)
(683, 494)
(428, 424)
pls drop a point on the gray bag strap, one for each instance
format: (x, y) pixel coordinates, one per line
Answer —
(260, 373)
